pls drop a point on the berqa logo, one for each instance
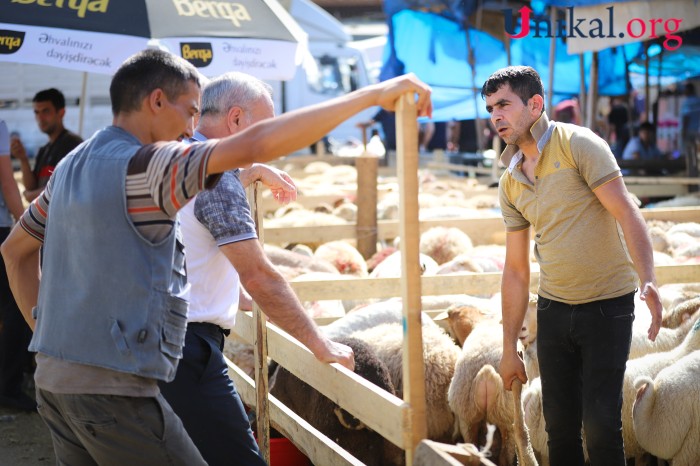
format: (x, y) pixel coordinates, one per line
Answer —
(10, 41)
(199, 54)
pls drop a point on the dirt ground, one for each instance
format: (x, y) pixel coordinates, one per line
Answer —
(24, 439)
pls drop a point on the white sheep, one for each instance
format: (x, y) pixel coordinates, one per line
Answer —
(649, 366)
(673, 294)
(440, 354)
(476, 394)
(666, 412)
(680, 313)
(391, 266)
(667, 338)
(368, 316)
(345, 257)
(444, 244)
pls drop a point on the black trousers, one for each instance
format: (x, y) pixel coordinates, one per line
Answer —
(582, 351)
(15, 335)
(205, 399)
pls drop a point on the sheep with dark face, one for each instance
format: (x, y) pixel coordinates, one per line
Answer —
(334, 422)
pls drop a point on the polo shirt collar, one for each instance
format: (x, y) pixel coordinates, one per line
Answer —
(541, 131)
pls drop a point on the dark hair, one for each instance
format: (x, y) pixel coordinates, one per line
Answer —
(646, 126)
(145, 72)
(51, 95)
(524, 81)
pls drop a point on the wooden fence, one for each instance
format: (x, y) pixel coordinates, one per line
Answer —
(401, 421)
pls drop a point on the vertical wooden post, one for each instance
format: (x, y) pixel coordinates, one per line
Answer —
(367, 167)
(262, 410)
(413, 369)
(592, 99)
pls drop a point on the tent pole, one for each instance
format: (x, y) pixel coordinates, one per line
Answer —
(472, 63)
(592, 92)
(83, 98)
(582, 89)
(647, 93)
(552, 60)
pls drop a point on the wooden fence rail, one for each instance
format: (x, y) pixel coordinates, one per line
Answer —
(486, 229)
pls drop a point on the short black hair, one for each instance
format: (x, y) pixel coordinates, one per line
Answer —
(147, 71)
(51, 95)
(524, 81)
(646, 126)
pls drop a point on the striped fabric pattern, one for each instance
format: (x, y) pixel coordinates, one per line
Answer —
(161, 178)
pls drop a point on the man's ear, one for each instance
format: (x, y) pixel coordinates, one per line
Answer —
(155, 100)
(61, 113)
(536, 104)
(233, 118)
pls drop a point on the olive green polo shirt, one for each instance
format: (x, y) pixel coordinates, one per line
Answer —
(578, 243)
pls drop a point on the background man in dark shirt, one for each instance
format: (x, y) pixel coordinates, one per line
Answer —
(49, 110)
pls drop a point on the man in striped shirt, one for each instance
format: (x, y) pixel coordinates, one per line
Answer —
(107, 309)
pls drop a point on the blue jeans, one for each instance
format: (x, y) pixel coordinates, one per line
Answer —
(582, 351)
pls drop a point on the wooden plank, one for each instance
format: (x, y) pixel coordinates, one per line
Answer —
(319, 448)
(382, 412)
(657, 190)
(367, 205)
(413, 362)
(260, 345)
(487, 229)
(675, 214)
(430, 453)
(436, 285)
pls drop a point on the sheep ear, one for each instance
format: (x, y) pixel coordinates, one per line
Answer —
(348, 421)
(442, 316)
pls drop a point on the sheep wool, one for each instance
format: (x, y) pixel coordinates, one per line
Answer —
(666, 412)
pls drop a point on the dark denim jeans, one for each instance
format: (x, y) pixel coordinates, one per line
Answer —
(582, 351)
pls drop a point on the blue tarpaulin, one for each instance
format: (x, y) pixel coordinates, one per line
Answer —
(434, 47)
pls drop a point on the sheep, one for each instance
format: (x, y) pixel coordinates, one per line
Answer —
(378, 257)
(347, 211)
(534, 419)
(299, 263)
(459, 264)
(391, 266)
(666, 411)
(674, 294)
(444, 244)
(345, 257)
(666, 339)
(302, 249)
(440, 354)
(463, 318)
(680, 313)
(326, 307)
(649, 366)
(476, 394)
(471, 262)
(369, 316)
(350, 433)
(659, 240)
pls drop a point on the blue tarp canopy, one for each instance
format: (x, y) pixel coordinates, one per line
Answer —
(434, 47)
